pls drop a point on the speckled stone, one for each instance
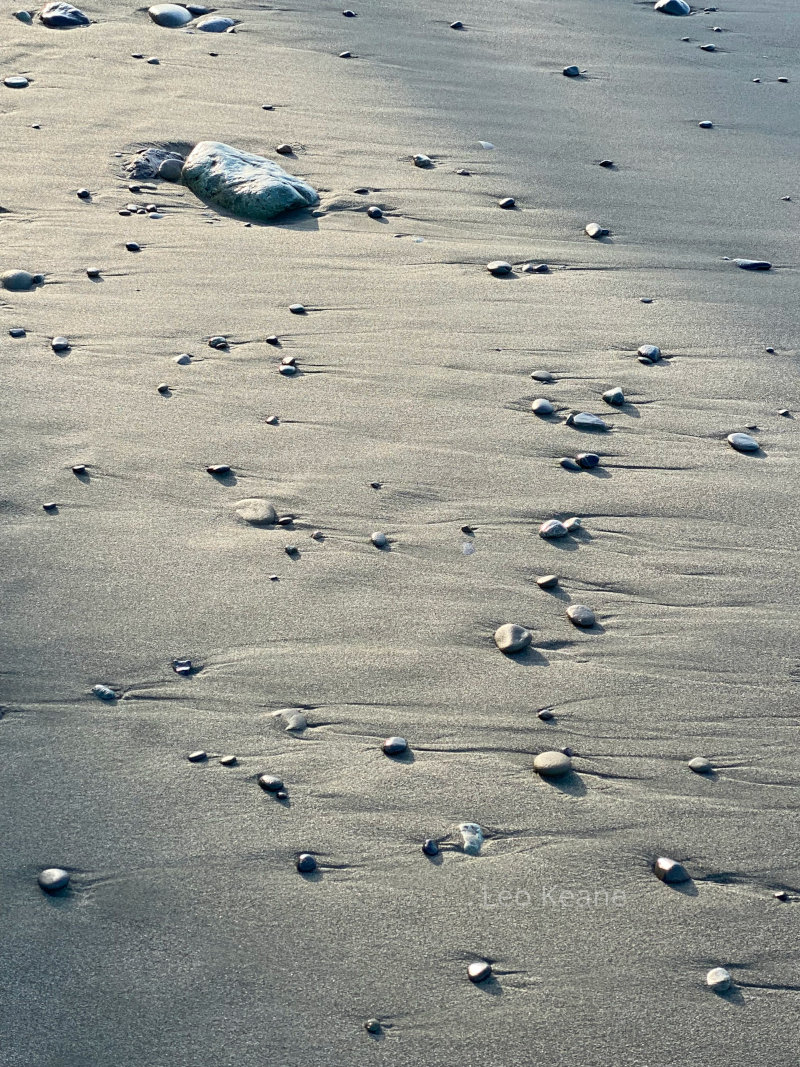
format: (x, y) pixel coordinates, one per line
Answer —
(552, 764)
(53, 879)
(580, 615)
(306, 863)
(479, 971)
(719, 979)
(511, 637)
(553, 528)
(700, 765)
(540, 406)
(670, 871)
(270, 784)
(395, 746)
(743, 442)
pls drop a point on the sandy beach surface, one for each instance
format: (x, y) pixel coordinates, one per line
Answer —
(186, 937)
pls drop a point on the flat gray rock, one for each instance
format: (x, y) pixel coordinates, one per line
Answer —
(16, 81)
(61, 16)
(673, 7)
(172, 16)
(256, 511)
(580, 615)
(753, 264)
(499, 267)
(743, 442)
(586, 421)
(595, 230)
(215, 24)
(245, 184)
(19, 281)
(511, 637)
(649, 352)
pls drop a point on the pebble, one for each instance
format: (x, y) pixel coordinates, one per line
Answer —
(457, 25)
(288, 370)
(614, 396)
(706, 125)
(349, 14)
(60, 344)
(545, 714)
(753, 264)
(170, 170)
(650, 353)
(16, 81)
(294, 721)
(228, 761)
(197, 757)
(218, 469)
(306, 863)
(79, 468)
(511, 637)
(169, 15)
(216, 24)
(291, 550)
(464, 173)
(83, 194)
(719, 979)
(743, 442)
(781, 411)
(479, 971)
(670, 871)
(284, 149)
(553, 528)
(273, 339)
(345, 55)
(539, 268)
(50, 506)
(62, 16)
(132, 246)
(24, 16)
(153, 61)
(585, 420)
(297, 309)
(673, 7)
(595, 230)
(471, 838)
(487, 145)
(182, 666)
(552, 764)
(543, 376)
(93, 272)
(317, 535)
(569, 464)
(395, 746)
(507, 202)
(547, 581)
(374, 212)
(183, 359)
(783, 80)
(19, 281)
(781, 895)
(18, 331)
(587, 460)
(700, 765)
(270, 784)
(163, 388)
(571, 71)
(372, 1026)
(540, 406)
(580, 615)
(104, 692)
(607, 163)
(52, 879)
(572, 524)
(380, 540)
(421, 160)
(499, 267)
(430, 847)
(218, 342)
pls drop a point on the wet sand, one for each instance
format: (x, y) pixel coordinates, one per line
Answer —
(187, 936)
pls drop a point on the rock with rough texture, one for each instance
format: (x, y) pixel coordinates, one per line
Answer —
(719, 979)
(172, 16)
(499, 267)
(53, 879)
(700, 765)
(542, 407)
(670, 871)
(743, 442)
(256, 511)
(580, 615)
(552, 764)
(595, 230)
(553, 528)
(479, 971)
(673, 7)
(587, 460)
(471, 838)
(62, 16)
(511, 637)
(215, 24)
(652, 353)
(20, 281)
(614, 396)
(584, 420)
(245, 184)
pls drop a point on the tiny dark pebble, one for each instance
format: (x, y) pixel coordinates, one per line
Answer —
(375, 212)
(79, 468)
(545, 714)
(430, 847)
(281, 794)
(587, 460)
(784, 80)
(228, 761)
(284, 149)
(376, 485)
(349, 14)
(670, 871)
(16, 331)
(182, 666)
(50, 505)
(606, 163)
(395, 746)
(269, 783)
(218, 468)
(306, 863)
(132, 246)
(457, 25)
(93, 272)
(572, 71)
(771, 351)
(781, 895)
(273, 339)
(479, 971)
(197, 757)
(507, 202)
(345, 55)
(284, 520)
(163, 387)
(218, 342)
(372, 1026)
(84, 194)
(153, 61)
(467, 529)
(124, 212)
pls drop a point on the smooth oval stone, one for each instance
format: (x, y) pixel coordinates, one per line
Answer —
(133, 246)
(372, 1026)
(246, 184)
(571, 71)
(270, 784)
(183, 359)
(169, 15)
(607, 163)
(471, 837)
(753, 264)
(257, 511)
(218, 342)
(700, 765)
(743, 442)
(719, 979)
(457, 25)
(228, 761)
(547, 581)
(79, 468)
(24, 16)
(218, 468)
(306, 863)
(163, 388)
(16, 81)
(587, 460)
(345, 55)
(588, 421)
(553, 528)
(569, 464)
(59, 344)
(374, 212)
(50, 506)
(62, 16)
(104, 692)
(670, 871)
(18, 281)
(614, 396)
(421, 160)
(170, 170)
(580, 615)
(84, 194)
(288, 370)
(93, 272)
(546, 714)
(479, 971)
(18, 331)
(395, 746)
(595, 230)
(543, 376)
(499, 267)
(572, 524)
(673, 7)
(511, 637)
(649, 352)
(507, 202)
(430, 847)
(707, 47)
(552, 764)
(53, 878)
(215, 24)
(295, 721)
(297, 309)
(380, 540)
(197, 757)
(541, 406)
(706, 125)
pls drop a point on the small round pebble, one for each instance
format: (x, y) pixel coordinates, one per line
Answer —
(545, 714)
(197, 757)
(587, 460)
(59, 344)
(571, 71)
(552, 764)
(372, 1026)
(380, 540)
(652, 353)
(595, 230)
(569, 464)
(163, 388)
(614, 396)
(553, 528)
(719, 979)
(218, 469)
(395, 746)
(52, 879)
(228, 761)
(170, 170)
(183, 359)
(374, 212)
(499, 267)
(79, 468)
(479, 971)
(507, 202)
(93, 272)
(306, 863)
(270, 784)
(743, 442)
(430, 847)
(84, 194)
(547, 581)
(700, 765)
(540, 406)
(511, 637)
(133, 246)
(297, 309)
(580, 615)
(670, 871)
(104, 692)
(50, 506)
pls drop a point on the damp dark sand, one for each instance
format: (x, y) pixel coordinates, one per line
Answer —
(187, 936)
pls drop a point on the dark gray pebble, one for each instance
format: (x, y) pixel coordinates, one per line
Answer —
(84, 194)
(580, 615)
(16, 331)
(430, 847)
(375, 212)
(553, 528)
(345, 55)
(297, 309)
(306, 863)
(79, 468)
(228, 761)
(587, 460)
(395, 746)
(700, 765)
(50, 506)
(372, 1026)
(93, 272)
(53, 879)
(572, 71)
(569, 464)
(507, 202)
(479, 971)
(133, 246)
(543, 376)
(60, 344)
(545, 714)
(270, 784)
(542, 406)
(219, 468)
(607, 163)
(511, 637)
(547, 581)
(614, 396)
(218, 342)
(670, 871)
(197, 757)
(457, 25)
